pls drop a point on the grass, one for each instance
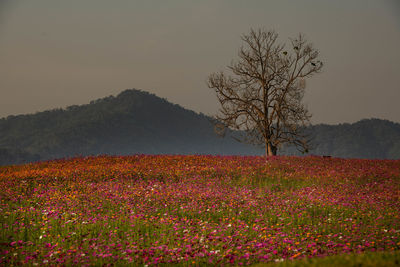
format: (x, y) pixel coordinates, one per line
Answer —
(370, 259)
(200, 210)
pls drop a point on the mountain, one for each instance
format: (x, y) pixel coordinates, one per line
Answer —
(368, 138)
(11, 156)
(139, 122)
(132, 122)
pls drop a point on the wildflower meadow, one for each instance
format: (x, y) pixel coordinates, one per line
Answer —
(196, 210)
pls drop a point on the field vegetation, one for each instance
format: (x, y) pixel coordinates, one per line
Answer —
(200, 210)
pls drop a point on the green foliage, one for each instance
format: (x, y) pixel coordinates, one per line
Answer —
(370, 259)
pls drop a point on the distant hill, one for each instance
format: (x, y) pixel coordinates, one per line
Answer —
(139, 122)
(132, 122)
(368, 138)
(11, 156)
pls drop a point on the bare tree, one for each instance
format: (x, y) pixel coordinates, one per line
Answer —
(264, 95)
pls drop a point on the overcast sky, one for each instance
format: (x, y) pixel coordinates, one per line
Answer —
(56, 53)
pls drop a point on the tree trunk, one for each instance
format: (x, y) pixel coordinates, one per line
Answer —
(270, 149)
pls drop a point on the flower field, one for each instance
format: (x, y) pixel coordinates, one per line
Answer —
(196, 210)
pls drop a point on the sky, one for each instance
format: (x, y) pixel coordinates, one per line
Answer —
(57, 53)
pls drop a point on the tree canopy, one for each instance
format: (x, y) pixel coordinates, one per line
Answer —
(263, 94)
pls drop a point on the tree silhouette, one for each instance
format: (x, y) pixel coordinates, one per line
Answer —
(263, 96)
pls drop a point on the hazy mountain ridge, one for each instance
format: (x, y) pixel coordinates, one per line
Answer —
(12, 156)
(132, 122)
(139, 122)
(367, 138)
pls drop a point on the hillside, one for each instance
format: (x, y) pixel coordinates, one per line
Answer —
(137, 122)
(132, 122)
(368, 138)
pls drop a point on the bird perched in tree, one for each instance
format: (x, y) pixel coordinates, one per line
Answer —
(285, 53)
